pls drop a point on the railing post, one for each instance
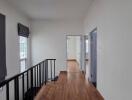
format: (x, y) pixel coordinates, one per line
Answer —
(27, 81)
(23, 86)
(35, 79)
(16, 85)
(54, 70)
(40, 74)
(35, 76)
(31, 78)
(7, 91)
(46, 71)
(43, 73)
(51, 68)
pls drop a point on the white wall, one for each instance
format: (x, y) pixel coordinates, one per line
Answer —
(12, 39)
(74, 48)
(71, 47)
(49, 40)
(113, 18)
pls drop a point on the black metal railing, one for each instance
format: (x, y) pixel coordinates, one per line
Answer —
(30, 80)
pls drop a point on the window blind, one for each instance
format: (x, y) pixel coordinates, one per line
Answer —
(23, 30)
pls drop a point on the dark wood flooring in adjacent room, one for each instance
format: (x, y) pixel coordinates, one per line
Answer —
(71, 85)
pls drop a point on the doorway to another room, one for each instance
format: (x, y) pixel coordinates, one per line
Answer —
(86, 53)
(73, 53)
(90, 58)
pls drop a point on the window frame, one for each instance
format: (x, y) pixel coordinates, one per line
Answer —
(25, 59)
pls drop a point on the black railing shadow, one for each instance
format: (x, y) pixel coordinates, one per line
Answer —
(30, 80)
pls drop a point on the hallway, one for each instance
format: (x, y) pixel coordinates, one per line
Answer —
(71, 85)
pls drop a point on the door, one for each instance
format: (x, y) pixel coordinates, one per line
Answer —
(93, 56)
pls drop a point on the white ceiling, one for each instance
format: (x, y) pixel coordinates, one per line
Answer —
(52, 9)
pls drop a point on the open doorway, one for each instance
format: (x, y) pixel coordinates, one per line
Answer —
(74, 52)
(86, 53)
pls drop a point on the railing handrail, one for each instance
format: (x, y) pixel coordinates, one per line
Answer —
(15, 76)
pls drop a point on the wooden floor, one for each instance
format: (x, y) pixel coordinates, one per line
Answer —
(71, 85)
(73, 66)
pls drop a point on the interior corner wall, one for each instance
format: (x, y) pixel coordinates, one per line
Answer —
(49, 40)
(113, 19)
(12, 39)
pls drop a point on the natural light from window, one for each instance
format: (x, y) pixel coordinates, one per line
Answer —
(23, 53)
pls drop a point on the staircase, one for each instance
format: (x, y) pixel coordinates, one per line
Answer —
(25, 86)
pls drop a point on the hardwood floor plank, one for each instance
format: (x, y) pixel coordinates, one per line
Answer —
(70, 85)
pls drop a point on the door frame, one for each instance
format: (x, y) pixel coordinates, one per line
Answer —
(85, 67)
(81, 61)
(91, 76)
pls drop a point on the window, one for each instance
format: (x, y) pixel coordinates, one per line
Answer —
(23, 53)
